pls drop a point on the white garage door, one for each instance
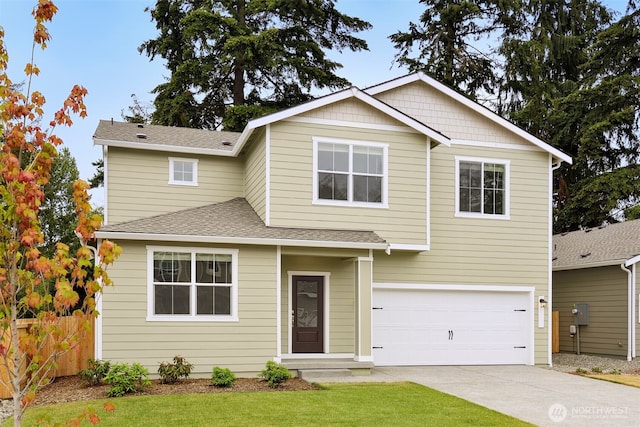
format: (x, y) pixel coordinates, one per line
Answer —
(442, 327)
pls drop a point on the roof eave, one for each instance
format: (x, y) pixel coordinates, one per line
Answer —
(115, 235)
(605, 263)
(161, 147)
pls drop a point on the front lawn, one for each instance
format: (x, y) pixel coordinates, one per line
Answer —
(371, 404)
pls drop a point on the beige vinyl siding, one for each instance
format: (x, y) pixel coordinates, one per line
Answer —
(138, 187)
(605, 289)
(441, 112)
(341, 298)
(255, 174)
(405, 219)
(243, 346)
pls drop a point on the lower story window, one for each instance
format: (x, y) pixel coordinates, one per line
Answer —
(192, 284)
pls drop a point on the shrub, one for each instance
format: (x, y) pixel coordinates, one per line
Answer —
(222, 377)
(124, 378)
(95, 372)
(275, 374)
(172, 372)
(581, 371)
(596, 369)
(615, 371)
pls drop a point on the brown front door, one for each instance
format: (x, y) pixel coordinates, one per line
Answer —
(308, 319)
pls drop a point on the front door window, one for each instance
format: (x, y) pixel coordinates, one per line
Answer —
(307, 314)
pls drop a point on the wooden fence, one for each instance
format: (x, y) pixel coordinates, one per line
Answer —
(70, 362)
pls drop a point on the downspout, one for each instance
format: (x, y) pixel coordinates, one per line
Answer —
(554, 167)
(633, 321)
(630, 311)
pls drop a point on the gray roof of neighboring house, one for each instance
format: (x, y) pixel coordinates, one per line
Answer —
(165, 135)
(236, 220)
(611, 244)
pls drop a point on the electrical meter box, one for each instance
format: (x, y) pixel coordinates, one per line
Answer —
(582, 315)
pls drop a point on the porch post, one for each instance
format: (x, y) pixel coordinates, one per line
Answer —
(364, 275)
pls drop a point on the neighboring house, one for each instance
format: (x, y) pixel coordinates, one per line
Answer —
(399, 225)
(597, 267)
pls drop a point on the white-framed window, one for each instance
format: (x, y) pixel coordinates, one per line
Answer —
(183, 171)
(350, 172)
(482, 187)
(193, 284)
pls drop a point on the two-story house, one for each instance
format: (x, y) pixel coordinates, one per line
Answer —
(402, 224)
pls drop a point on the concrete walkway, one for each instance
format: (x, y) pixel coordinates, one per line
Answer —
(537, 395)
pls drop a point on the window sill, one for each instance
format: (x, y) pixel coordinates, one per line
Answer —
(184, 183)
(321, 202)
(482, 216)
(212, 319)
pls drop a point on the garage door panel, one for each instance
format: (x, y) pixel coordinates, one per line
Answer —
(427, 327)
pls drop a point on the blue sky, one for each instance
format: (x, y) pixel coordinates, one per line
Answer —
(94, 43)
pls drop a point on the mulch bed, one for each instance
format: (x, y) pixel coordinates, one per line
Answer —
(73, 388)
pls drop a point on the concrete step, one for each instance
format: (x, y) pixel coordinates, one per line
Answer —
(315, 374)
(300, 364)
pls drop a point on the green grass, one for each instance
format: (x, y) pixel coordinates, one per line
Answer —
(370, 404)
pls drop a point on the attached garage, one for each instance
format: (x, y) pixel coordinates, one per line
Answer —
(452, 326)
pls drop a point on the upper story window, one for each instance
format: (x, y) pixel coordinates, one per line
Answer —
(482, 187)
(349, 172)
(183, 171)
(192, 284)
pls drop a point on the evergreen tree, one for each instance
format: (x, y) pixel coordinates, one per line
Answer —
(571, 78)
(58, 218)
(453, 40)
(602, 119)
(230, 53)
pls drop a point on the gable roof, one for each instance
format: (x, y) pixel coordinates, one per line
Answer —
(236, 222)
(608, 245)
(480, 109)
(352, 92)
(165, 138)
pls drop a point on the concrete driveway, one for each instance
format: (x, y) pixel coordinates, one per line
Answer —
(537, 395)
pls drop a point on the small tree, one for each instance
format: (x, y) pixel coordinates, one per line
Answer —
(26, 157)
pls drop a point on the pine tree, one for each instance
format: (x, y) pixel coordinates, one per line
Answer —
(453, 42)
(260, 54)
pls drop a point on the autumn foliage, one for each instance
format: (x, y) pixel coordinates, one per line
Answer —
(36, 290)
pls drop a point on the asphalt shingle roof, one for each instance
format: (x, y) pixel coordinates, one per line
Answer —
(612, 243)
(165, 135)
(234, 219)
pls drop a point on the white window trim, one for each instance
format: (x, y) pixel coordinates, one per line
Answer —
(507, 188)
(233, 317)
(385, 173)
(194, 163)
